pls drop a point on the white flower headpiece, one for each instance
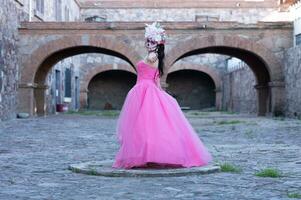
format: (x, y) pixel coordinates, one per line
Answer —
(155, 33)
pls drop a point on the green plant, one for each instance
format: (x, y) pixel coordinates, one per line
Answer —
(109, 113)
(227, 167)
(92, 172)
(76, 170)
(294, 195)
(227, 112)
(222, 122)
(269, 172)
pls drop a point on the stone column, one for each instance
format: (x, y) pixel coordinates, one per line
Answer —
(40, 99)
(277, 89)
(25, 95)
(263, 95)
(83, 98)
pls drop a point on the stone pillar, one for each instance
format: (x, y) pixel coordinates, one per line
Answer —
(40, 99)
(277, 89)
(25, 101)
(218, 99)
(83, 98)
(263, 95)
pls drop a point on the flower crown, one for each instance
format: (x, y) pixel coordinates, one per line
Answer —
(155, 32)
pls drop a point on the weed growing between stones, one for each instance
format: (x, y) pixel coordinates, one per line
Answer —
(92, 172)
(200, 113)
(227, 112)
(227, 167)
(281, 118)
(225, 122)
(269, 172)
(294, 195)
(74, 169)
(106, 113)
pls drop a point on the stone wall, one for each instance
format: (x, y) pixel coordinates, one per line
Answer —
(67, 10)
(250, 15)
(239, 94)
(292, 71)
(12, 12)
(10, 16)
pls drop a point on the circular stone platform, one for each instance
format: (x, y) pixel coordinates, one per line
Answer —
(104, 168)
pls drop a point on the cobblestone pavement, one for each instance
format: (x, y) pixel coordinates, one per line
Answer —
(35, 154)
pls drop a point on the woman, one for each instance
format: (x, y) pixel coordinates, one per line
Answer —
(151, 129)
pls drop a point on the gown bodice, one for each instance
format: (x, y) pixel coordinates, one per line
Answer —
(146, 72)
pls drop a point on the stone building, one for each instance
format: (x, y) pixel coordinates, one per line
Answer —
(80, 74)
(12, 14)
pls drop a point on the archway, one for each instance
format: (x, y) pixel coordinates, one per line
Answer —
(264, 64)
(36, 67)
(192, 89)
(88, 76)
(108, 89)
(211, 72)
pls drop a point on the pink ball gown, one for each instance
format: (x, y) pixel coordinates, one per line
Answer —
(152, 127)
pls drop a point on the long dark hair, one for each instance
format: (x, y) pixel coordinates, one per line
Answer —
(161, 55)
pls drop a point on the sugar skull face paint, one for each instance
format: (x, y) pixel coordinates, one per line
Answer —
(151, 45)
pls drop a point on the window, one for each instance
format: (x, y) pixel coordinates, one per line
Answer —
(66, 13)
(40, 6)
(298, 39)
(67, 82)
(57, 86)
(58, 10)
(76, 92)
(39, 9)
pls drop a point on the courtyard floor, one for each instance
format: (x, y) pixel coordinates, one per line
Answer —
(35, 154)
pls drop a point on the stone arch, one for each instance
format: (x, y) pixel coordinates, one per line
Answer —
(35, 68)
(90, 74)
(213, 73)
(264, 64)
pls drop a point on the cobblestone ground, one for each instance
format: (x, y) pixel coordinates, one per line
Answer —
(35, 154)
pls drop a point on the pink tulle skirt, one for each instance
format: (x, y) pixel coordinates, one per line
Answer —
(152, 128)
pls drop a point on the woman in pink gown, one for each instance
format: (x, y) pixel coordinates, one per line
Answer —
(152, 129)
